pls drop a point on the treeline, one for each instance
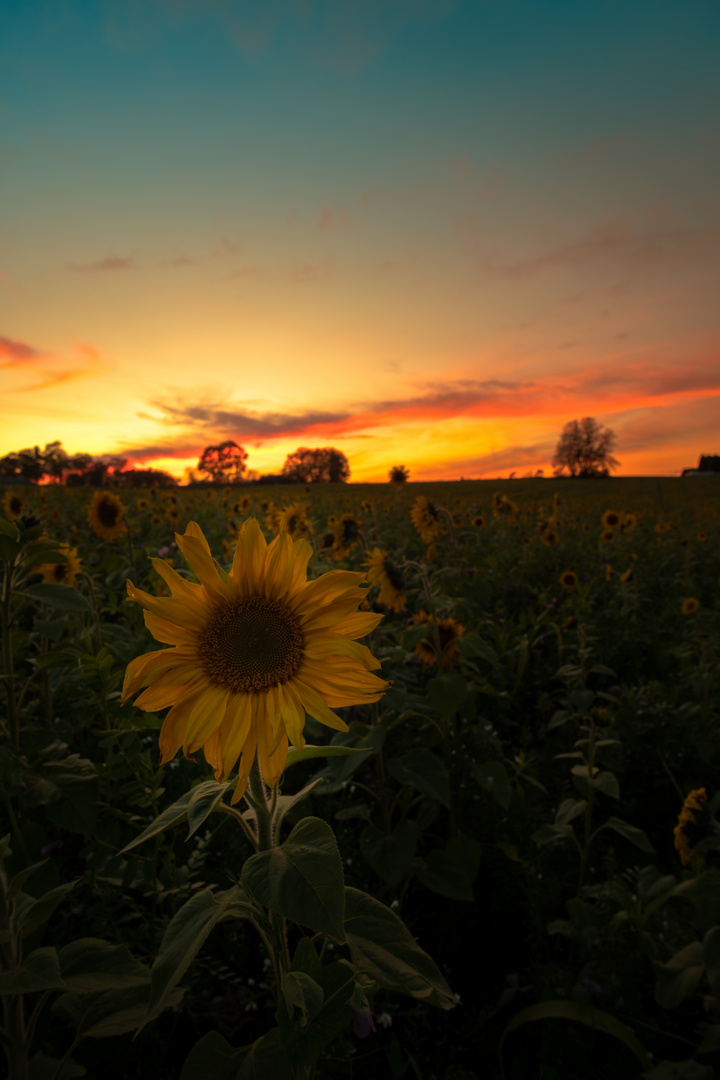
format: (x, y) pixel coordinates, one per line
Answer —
(221, 464)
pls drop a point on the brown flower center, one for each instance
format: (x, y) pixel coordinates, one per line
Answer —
(108, 513)
(60, 572)
(252, 644)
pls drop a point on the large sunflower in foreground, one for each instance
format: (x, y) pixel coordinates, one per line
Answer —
(106, 515)
(253, 650)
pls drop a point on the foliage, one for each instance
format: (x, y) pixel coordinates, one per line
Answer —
(224, 463)
(325, 465)
(500, 828)
(585, 449)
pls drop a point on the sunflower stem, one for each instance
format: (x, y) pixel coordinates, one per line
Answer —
(262, 810)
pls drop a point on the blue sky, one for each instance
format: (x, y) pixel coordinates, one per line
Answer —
(437, 227)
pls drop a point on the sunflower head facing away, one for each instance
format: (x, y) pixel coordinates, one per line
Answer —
(106, 515)
(252, 651)
(425, 518)
(382, 571)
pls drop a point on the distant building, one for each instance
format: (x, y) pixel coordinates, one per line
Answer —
(709, 465)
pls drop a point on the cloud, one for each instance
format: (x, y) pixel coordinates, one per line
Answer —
(619, 245)
(110, 263)
(17, 351)
(330, 220)
(44, 366)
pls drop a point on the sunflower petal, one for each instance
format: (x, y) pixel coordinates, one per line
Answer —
(167, 632)
(196, 550)
(205, 717)
(279, 566)
(249, 559)
(303, 552)
(293, 715)
(316, 707)
(232, 735)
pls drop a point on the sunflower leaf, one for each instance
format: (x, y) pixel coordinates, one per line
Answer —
(181, 942)
(62, 597)
(307, 752)
(382, 947)
(302, 879)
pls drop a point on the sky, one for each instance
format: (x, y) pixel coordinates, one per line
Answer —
(424, 232)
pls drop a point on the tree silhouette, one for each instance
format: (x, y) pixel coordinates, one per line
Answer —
(307, 466)
(398, 475)
(223, 462)
(584, 449)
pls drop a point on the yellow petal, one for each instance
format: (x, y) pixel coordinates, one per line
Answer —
(249, 559)
(173, 729)
(293, 715)
(179, 586)
(196, 550)
(279, 566)
(303, 551)
(316, 707)
(205, 717)
(166, 607)
(246, 763)
(232, 734)
(167, 632)
(358, 624)
(159, 696)
(329, 644)
(138, 668)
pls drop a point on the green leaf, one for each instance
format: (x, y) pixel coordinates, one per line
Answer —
(415, 634)
(42, 1067)
(69, 791)
(213, 1058)
(181, 942)
(306, 958)
(424, 771)
(303, 1044)
(113, 1012)
(447, 693)
(474, 647)
(9, 548)
(302, 879)
(569, 809)
(300, 990)
(547, 833)
(29, 913)
(443, 875)
(680, 977)
(607, 783)
(54, 659)
(90, 965)
(583, 1014)
(307, 752)
(390, 856)
(203, 800)
(467, 852)
(266, 1060)
(17, 882)
(286, 802)
(174, 814)
(61, 597)
(630, 832)
(493, 777)
(382, 947)
(39, 971)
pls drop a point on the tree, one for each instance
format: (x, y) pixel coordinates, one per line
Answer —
(398, 475)
(584, 449)
(307, 466)
(223, 463)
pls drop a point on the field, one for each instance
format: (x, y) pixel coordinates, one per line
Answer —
(526, 844)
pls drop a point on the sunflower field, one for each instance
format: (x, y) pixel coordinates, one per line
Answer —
(352, 781)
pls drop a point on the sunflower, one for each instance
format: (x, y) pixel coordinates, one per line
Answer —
(346, 535)
(252, 651)
(611, 519)
(61, 573)
(607, 536)
(294, 520)
(155, 519)
(687, 823)
(172, 516)
(382, 571)
(609, 572)
(549, 537)
(366, 506)
(568, 579)
(702, 537)
(448, 630)
(478, 522)
(629, 523)
(13, 506)
(142, 504)
(502, 506)
(105, 514)
(425, 518)
(627, 574)
(690, 606)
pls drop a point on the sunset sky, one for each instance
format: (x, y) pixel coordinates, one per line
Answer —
(425, 232)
